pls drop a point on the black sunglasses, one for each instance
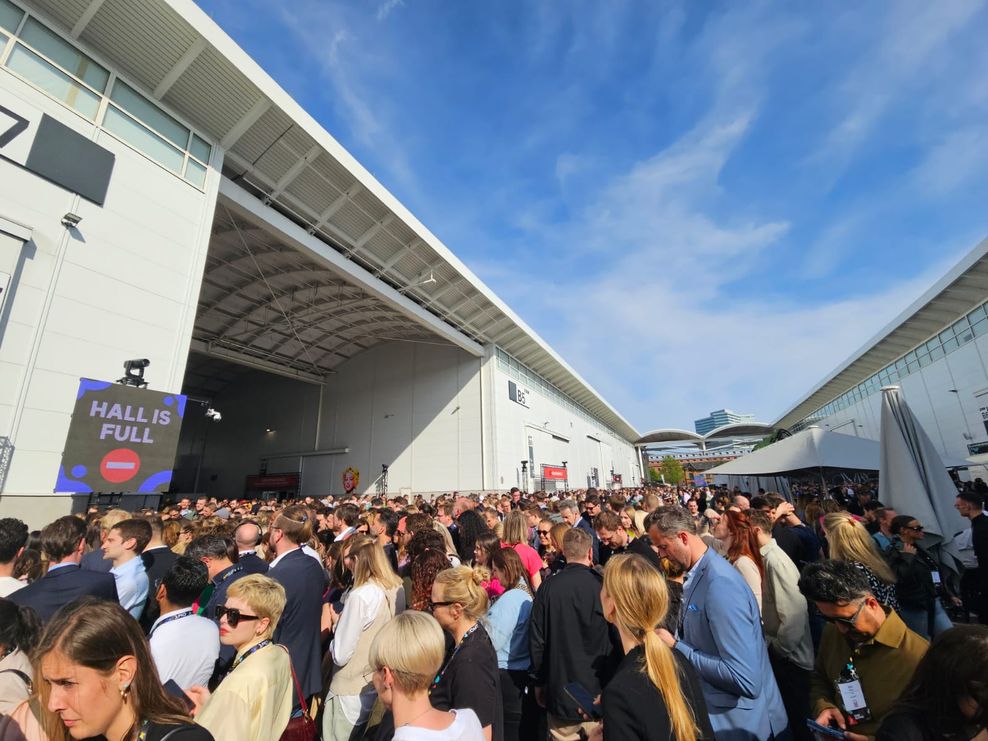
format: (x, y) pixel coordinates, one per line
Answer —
(917, 528)
(851, 621)
(233, 615)
(544, 532)
(434, 605)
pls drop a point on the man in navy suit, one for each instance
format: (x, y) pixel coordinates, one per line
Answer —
(720, 634)
(64, 541)
(304, 582)
(247, 537)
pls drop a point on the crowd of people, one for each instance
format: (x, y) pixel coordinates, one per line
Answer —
(660, 613)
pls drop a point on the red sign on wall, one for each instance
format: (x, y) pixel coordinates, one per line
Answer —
(273, 482)
(554, 473)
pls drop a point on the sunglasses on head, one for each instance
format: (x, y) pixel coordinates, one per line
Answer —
(434, 605)
(233, 615)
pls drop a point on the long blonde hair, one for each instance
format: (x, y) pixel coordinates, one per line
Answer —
(370, 563)
(850, 541)
(641, 600)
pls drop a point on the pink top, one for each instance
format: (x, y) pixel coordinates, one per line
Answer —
(530, 558)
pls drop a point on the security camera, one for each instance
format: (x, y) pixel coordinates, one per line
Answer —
(71, 220)
(138, 364)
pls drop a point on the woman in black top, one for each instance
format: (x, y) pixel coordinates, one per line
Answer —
(469, 675)
(655, 694)
(98, 680)
(947, 698)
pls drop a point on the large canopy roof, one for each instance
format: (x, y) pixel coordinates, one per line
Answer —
(725, 432)
(959, 291)
(275, 150)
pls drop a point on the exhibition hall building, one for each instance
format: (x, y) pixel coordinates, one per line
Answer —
(162, 199)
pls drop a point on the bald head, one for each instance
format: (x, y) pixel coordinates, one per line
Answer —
(247, 535)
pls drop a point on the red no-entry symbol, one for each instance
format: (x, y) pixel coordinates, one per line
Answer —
(120, 465)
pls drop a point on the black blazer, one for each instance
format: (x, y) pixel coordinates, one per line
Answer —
(157, 561)
(253, 564)
(634, 709)
(61, 586)
(299, 627)
(569, 639)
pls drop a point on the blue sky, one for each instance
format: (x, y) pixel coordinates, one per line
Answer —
(697, 204)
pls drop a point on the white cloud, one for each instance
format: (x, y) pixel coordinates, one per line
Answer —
(658, 331)
(387, 7)
(958, 158)
(909, 53)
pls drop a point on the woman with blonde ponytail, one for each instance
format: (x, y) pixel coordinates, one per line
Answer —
(655, 694)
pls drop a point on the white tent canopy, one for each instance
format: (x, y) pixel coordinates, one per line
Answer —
(813, 448)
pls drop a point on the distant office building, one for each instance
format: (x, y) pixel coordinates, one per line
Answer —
(720, 418)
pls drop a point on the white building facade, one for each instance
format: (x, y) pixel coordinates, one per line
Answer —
(937, 353)
(162, 198)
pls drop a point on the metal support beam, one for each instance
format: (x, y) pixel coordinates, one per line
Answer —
(294, 171)
(197, 48)
(249, 119)
(87, 15)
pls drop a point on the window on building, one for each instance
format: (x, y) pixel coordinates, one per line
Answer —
(49, 62)
(10, 19)
(147, 128)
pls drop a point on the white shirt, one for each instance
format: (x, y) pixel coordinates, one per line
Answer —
(465, 727)
(132, 586)
(362, 606)
(346, 533)
(184, 649)
(9, 585)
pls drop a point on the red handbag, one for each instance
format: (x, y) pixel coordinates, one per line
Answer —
(302, 728)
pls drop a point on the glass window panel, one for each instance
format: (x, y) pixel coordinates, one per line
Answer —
(137, 106)
(199, 149)
(936, 353)
(950, 345)
(195, 173)
(960, 325)
(912, 367)
(900, 364)
(935, 342)
(910, 356)
(946, 335)
(53, 81)
(3, 41)
(924, 360)
(977, 314)
(10, 15)
(143, 139)
(965, 335)
(980, 328)
(65, 55)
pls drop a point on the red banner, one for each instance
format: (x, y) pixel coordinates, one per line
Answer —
(554, 473)
(273, 482)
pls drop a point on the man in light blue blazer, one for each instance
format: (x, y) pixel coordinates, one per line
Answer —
(720, 633)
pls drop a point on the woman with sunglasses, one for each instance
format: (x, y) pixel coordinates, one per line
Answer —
(254, 701)
(917, 579)
(469, 675)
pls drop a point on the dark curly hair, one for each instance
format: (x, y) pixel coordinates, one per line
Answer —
(423, 570)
